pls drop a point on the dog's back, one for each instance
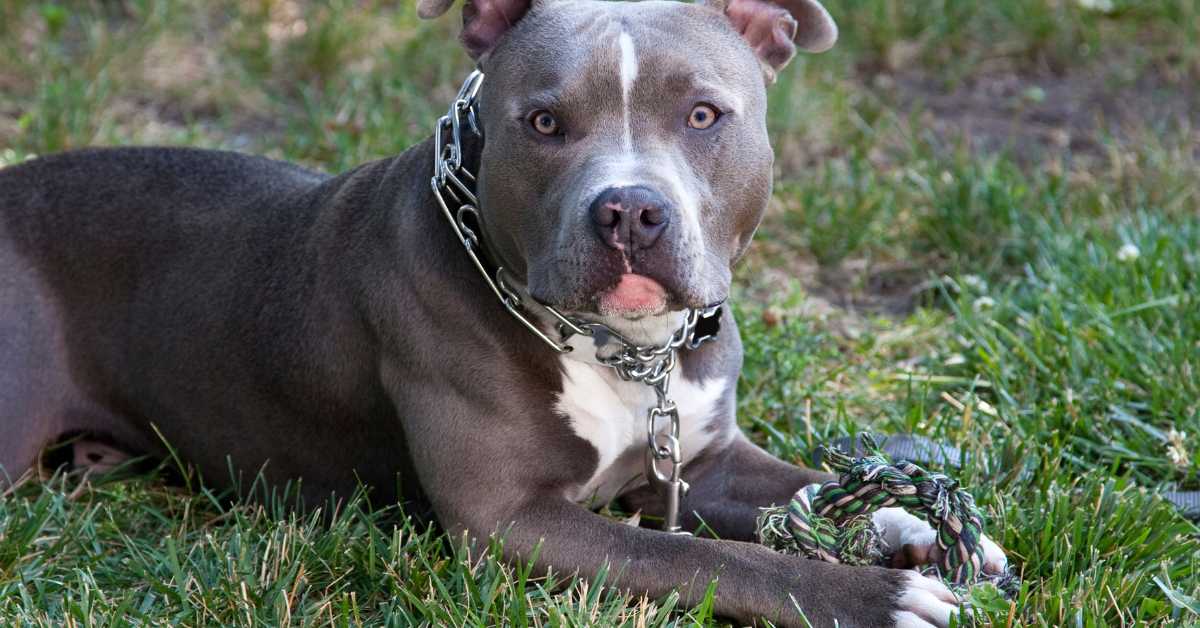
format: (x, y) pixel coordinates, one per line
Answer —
(84, 197)
(113, 224)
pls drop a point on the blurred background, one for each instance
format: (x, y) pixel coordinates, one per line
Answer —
(871, 137)
(985, 229)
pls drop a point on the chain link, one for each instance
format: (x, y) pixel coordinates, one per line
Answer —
(649, 365)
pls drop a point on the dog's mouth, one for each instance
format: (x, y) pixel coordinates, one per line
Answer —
(614, 294)
(634, 297)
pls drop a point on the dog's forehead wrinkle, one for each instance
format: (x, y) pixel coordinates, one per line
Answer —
(587, 28)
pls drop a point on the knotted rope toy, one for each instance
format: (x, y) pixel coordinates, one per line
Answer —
(832, 521)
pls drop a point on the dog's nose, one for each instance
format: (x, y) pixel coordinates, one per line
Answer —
(630, 218)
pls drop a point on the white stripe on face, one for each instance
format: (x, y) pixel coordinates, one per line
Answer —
(629, 73)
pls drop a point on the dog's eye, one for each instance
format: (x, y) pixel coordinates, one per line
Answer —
(544, 122)
(703, 116)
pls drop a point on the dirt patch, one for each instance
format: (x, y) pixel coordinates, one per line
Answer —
(1039, 116)
(845, 297)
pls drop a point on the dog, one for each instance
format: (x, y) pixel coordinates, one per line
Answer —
(337, 330)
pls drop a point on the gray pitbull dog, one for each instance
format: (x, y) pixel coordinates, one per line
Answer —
(257, 315)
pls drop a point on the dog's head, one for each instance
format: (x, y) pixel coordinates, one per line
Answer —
(626, 162)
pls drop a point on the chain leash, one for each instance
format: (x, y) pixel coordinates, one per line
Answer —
(452, 185)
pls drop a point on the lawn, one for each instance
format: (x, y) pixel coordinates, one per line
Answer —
(985, 230)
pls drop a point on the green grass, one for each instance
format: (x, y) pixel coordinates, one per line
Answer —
(907, 279)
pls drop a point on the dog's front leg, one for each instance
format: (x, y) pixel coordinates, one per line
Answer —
(753, 582)
(728, 488)
(509, 473)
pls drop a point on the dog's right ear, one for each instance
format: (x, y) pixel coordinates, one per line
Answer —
(776, 28)
(484, 21)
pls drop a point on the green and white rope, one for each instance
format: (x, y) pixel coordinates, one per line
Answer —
(833, 521)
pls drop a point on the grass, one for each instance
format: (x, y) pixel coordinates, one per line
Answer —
(1031, 300)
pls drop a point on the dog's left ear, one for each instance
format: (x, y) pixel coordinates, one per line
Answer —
(776, 28)
(484, 21)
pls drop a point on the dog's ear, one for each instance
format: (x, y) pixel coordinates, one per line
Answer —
(484, 21)
(776, 28)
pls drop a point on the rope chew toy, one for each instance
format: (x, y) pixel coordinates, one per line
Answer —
(832, 521)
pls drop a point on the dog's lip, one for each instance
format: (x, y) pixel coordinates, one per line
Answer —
(588, 306)
(633, 297)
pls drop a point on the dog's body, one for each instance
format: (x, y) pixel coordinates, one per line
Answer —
(209, 307)
(255, 315)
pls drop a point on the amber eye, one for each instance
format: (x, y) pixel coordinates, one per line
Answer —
(703, 116)
(544, 122)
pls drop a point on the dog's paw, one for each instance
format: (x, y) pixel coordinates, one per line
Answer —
(900, 528)
(994, 559)
(924, 603)
(915, 541)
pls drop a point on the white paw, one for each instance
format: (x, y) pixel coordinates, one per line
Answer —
(994, 560)
(901, 529)
(924, 602)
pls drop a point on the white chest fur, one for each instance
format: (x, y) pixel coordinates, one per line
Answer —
(611, 415)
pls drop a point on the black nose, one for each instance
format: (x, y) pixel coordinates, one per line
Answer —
(630, 218)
